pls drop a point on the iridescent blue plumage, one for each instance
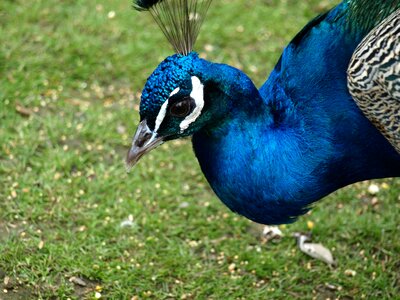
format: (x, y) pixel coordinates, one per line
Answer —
(319, 140)
(270, 153)
(172, 72)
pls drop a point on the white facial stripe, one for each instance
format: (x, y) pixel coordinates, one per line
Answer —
(163, 110)
(161, 115)
(198, 95)
(174, 92)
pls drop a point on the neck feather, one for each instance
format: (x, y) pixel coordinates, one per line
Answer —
(232, 96)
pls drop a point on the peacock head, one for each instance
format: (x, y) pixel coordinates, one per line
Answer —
(185, 94)
(172, 104)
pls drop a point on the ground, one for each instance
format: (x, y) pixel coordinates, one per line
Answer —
(74, 224)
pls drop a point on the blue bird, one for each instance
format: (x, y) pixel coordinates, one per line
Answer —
(270, 153)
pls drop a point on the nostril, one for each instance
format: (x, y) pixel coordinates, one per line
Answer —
(143, 140)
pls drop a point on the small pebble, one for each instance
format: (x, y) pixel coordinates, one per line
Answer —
(41, 244)
(373, 189)
(374, 201)
(385, 186)
(310, 225)
(184, 205)
(209, 48)
(127, 223)
(350, 273)
(240, 28)
(232, 267)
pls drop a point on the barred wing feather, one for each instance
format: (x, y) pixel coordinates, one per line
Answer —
(374, 78)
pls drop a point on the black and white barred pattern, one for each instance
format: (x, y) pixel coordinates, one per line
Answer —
(374, 78)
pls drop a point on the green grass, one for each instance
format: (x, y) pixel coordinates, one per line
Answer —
(70, 79)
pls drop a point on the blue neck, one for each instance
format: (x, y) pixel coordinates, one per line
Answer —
(234, 96)
(299, 138)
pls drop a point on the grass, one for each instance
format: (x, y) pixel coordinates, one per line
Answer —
(70, 77)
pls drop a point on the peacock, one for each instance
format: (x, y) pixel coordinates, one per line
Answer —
(327, 116)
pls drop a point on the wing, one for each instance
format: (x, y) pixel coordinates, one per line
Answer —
(374, 77)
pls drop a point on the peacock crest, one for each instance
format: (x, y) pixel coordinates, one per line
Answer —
(179, 20)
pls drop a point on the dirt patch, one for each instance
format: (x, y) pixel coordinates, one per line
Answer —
(7, 230)
(10, 288)
(83, 286)
(20, 293)
(329, 291)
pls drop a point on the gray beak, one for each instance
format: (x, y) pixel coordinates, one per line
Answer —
(144, 141)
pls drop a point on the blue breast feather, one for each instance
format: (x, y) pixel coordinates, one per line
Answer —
(309, 138)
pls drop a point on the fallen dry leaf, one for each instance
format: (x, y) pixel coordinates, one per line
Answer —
(22, 110)
(77, 281)
(317, 251)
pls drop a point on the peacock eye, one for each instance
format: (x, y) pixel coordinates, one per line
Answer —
(181, 108)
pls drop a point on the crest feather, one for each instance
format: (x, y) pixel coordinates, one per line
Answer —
(179, 20)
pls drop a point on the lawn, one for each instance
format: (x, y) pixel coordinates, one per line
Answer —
(75, 225)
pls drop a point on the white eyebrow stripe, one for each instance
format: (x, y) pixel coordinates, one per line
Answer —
(163, 110)
(198, 95)
(161, 115)
(174, 92)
